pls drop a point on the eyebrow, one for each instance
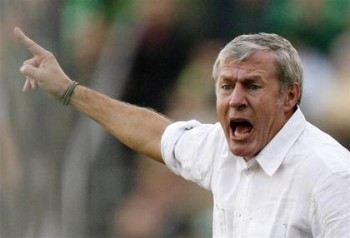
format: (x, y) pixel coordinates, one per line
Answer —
(247, 78)
(251, 78)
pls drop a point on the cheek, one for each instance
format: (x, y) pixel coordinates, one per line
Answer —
(219, 111)
(221, 107)
(269, 121)
(267, 105)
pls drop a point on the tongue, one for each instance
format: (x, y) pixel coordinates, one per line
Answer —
(241, 129)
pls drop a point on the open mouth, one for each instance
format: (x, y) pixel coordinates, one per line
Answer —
(240, 128)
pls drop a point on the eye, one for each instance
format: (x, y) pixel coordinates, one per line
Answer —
(252, 84)
(226, 87)
(253, 87)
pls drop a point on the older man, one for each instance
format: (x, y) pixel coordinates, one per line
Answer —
(272, 174)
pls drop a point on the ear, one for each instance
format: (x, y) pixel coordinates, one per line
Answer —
(292, 96)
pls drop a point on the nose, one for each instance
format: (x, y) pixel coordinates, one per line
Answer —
(238, 99)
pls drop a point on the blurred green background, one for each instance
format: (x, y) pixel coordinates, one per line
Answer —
(62, 175)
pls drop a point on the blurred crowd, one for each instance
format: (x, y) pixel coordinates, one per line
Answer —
(62, 175)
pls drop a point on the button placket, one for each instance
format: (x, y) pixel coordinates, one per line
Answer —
(248, 172)
(243, 192)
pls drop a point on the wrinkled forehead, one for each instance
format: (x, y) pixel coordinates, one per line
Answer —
(258, 63)
(255, 60)
(239, 54)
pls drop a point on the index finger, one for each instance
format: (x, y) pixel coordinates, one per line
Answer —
(29, 43)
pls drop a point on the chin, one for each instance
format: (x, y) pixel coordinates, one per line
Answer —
(239, 152)
(242, 151)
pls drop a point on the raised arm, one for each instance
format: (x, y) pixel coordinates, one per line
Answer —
(138, 128)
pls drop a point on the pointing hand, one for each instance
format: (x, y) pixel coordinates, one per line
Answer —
(42, 70)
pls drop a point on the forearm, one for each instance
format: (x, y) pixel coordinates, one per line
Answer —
(138, 128)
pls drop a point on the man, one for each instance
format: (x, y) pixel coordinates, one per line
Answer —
(272, 174)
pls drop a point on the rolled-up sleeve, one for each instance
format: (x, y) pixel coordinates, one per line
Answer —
(190, 148)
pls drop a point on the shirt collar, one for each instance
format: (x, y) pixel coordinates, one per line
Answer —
(272, 156)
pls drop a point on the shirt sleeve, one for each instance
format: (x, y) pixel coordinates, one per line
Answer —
(189, 150)
(332, 206)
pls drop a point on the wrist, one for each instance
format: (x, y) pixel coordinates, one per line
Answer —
(65, 98)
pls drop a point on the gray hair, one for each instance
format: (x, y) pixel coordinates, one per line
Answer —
(288, 64)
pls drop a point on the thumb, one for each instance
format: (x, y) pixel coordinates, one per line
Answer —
(29, 71)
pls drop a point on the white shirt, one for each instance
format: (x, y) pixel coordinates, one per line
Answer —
(297, 186)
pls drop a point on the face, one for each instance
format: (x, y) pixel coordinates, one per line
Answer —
(250, 105)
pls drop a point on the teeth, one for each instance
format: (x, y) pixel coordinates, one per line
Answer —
(240, 136)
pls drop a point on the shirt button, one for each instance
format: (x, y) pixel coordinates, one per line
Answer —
(248, 172)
